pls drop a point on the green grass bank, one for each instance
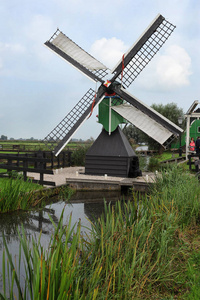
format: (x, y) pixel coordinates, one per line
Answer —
(17, 194)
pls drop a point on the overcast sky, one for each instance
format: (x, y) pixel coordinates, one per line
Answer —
(37, 88)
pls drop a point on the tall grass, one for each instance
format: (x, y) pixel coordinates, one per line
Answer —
(16, 194)
(59, 272)
(178, 191)
(136, 250)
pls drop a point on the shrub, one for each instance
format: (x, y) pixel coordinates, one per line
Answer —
(153, 164)
(78, 155)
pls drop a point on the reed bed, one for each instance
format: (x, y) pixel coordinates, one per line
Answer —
(15, 193)
(136, 250)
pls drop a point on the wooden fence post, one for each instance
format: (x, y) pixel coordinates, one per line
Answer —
(40, 166)
(69, 158)
(52, 160)
(9, 164)
(63, 158)
(18, 159)
(25, 165)
(58, 160)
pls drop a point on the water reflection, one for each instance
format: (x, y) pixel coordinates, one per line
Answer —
(82, 206)
(8, 225)
(94, 197)
(85, 206)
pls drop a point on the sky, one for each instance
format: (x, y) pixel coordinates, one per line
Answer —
(38, 88)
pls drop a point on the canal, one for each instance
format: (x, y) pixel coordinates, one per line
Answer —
(83, 206)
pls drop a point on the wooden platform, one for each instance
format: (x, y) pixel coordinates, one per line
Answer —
(76, 178)
(82, 182)
(108, 184)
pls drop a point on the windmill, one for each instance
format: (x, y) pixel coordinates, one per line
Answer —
(111, 153)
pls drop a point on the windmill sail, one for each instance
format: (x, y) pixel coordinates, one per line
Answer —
(146, 118)
(143, 122)
(57, 139)
(76, 56)
(143, 50)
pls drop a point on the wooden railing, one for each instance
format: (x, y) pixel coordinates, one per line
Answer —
(41, 162)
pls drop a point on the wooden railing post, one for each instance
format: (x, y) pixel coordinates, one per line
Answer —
(25, 166)
(40, 166)
(63, 158)
(69, 158)
(18, 159)
(52, 160)
(9, 163)
(58, 160)
(189, 158)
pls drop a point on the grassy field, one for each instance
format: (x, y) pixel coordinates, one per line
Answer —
(28, 145)
(166, 155)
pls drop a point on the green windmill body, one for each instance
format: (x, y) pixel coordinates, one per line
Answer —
(108, 117)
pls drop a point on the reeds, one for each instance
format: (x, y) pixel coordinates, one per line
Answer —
(134, 250)
(178, 191)
(16, 194)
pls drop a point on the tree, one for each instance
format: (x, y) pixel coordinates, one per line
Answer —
(171, 111)
(133, 134)
(4, 137)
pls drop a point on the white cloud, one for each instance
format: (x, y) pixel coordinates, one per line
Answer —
(174, 68)
(37, 32)
(108, 51)
(6, 48)
(167, 71)
(89, 6)
(8, 53)
(39, 28)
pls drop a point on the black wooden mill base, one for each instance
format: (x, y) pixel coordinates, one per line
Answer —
(112, 155)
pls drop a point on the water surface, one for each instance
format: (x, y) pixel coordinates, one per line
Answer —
(83, 206)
